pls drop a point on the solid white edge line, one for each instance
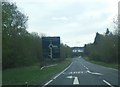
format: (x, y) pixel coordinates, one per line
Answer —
(107, 83)
(113, 69)
(62, 71)
(47, 83)
(57, 76)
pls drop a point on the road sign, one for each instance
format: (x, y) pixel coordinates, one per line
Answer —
(51, 47)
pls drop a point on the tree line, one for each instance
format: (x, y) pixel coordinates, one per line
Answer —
(104, 48)
(19, 47)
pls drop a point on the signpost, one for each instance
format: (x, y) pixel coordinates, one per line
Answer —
(51, 47)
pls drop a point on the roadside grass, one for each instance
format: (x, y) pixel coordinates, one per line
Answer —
(115, 66)
(32, 74)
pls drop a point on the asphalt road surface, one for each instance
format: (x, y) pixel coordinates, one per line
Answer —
(81, 72)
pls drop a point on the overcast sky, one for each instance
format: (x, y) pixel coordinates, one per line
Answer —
(75, 21)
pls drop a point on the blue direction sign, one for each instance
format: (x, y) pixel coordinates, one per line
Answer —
(51, 47)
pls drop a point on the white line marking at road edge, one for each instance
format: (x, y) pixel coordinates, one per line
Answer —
(57, 76)
(62, 71)
(113, 69)
(76, 82)
(108, 83)
(47, 83)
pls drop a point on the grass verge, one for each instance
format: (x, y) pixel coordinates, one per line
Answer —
(115, 66)
(33, 74)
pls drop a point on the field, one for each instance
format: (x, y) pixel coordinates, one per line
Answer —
(32, 75)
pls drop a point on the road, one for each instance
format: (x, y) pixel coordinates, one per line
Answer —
(81, 72)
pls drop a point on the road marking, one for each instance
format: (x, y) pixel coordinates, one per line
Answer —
(81, 71)
(107, 83)
(76, 82)
(70, 73)
(62, 71)
(57, 75)
(47, 83)
(110, 68)
(113, 69)
(86, 67)
(70, 77)
(93, 72)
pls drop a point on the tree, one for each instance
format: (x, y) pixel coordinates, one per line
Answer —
(103, 49)
(21, 48)
(13, 30)
(107, 32)
(98, 38)
(65, 51)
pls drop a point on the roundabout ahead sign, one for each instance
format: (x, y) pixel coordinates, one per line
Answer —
(51, 47)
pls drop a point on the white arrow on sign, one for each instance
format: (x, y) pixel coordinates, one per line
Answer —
(75, 81)
(51, 46)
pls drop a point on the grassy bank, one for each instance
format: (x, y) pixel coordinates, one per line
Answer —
(33, 74)
(115, 66)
